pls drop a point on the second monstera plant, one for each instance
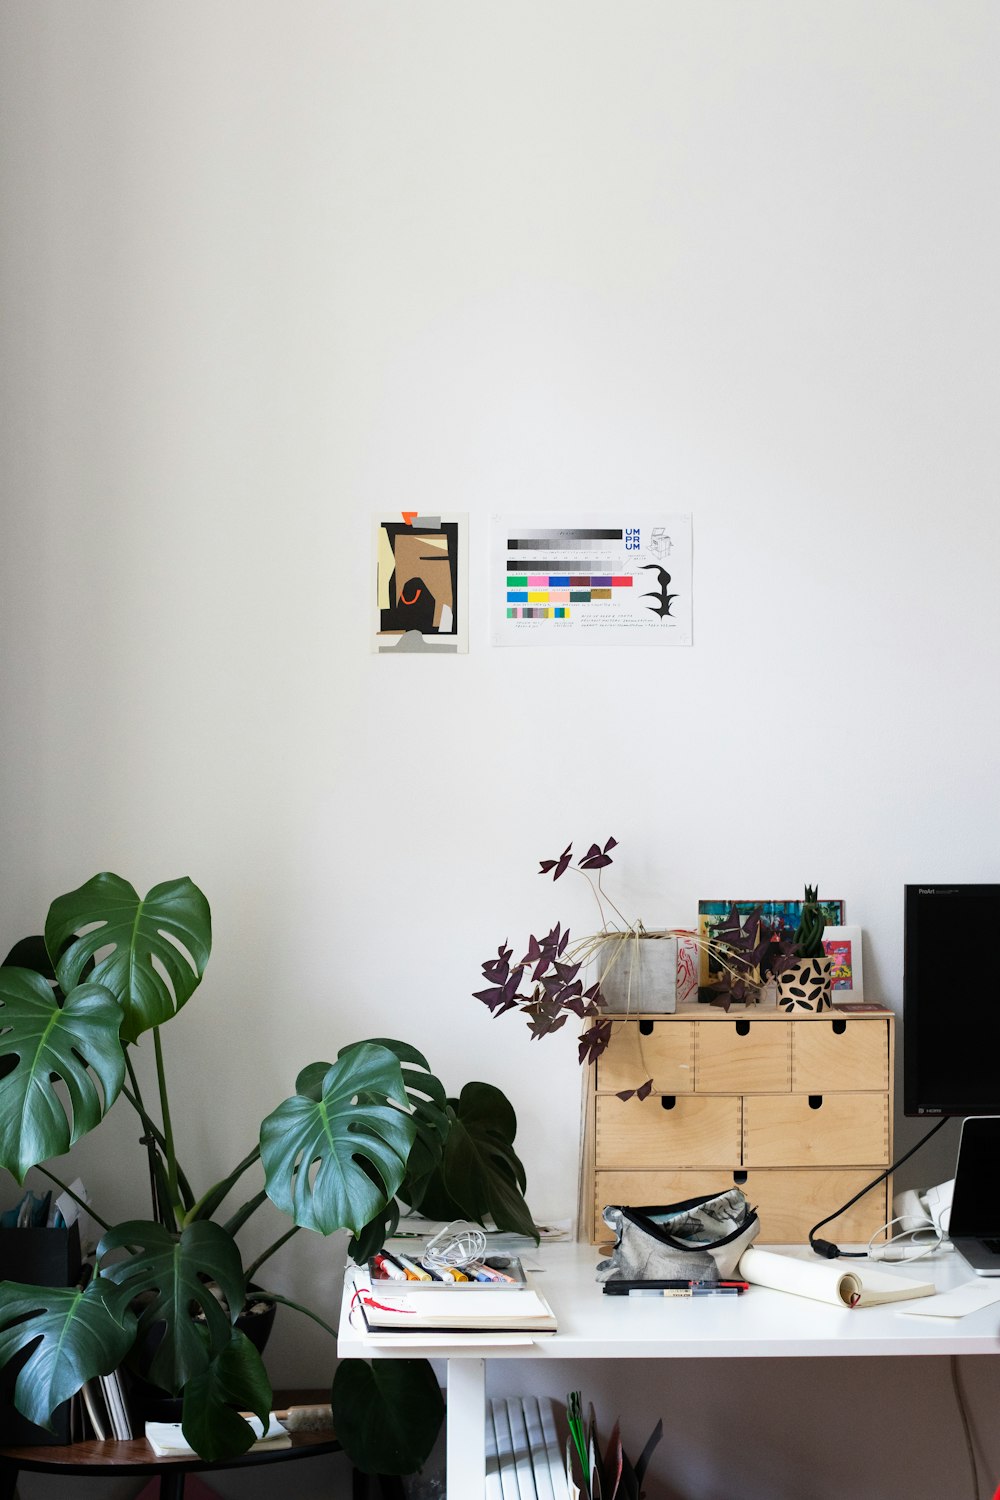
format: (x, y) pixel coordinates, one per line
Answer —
(357, 1136)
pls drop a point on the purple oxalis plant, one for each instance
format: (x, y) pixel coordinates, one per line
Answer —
(554, 988)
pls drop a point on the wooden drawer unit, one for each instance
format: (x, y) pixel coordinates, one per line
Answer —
(795, 1110)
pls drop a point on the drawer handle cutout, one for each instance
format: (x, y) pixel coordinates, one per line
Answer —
(740, 1178)
(645, 1028)
(742, 1028)
(668, 1101)
(815, 1101)
(839, 1026)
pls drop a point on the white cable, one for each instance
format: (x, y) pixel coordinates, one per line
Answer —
(937, 1241)
(455, 1245)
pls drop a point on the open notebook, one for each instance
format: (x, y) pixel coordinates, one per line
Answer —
(433, 1309)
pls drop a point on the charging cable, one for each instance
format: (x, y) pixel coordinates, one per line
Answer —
(826, 1248)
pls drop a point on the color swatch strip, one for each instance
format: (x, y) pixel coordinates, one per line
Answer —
(568, 580)
(531, 612)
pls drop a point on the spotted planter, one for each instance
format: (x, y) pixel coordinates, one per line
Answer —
(806, 985)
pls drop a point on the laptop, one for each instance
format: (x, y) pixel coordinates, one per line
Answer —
(974, 1226)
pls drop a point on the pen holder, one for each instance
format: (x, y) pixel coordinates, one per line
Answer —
(35, 1257)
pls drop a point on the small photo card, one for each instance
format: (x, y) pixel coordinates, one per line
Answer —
(843, 945)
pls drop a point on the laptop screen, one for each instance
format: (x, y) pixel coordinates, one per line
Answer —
(975, 1208)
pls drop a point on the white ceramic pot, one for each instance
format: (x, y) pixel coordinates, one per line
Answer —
(640, 974)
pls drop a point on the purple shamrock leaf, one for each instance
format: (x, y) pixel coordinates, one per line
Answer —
(559, 865)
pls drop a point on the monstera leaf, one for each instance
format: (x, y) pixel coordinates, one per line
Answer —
(388, 1414)
(235, 1381)
(77, 1335)
(333, 1161)
(480, 1174)
(76, 1043)
(430, 1115)
(159, 946)
(168, 1274)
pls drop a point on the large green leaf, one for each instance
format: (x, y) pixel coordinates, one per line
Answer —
(235, 1381)
(387, 1414)
(76, 1335)
(159, 946)
(168, 1273)
(430, 1114)
(76, 1043)
(334, 1161)
(480, 1175)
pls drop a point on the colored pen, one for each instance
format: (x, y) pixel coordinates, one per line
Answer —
(413, 1272)
(689, 1291)
(488, 1273)
(387, 1268)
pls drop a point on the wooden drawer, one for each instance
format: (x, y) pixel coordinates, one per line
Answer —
(660, 1050)
(694, 1131)
(788, 1202)
(646, 1189)
(744, 1057)
(832, 1054)
(803, 1130)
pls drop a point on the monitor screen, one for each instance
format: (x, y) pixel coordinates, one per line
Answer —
(951, 1000)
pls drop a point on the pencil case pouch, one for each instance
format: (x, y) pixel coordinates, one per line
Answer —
(700, 1239)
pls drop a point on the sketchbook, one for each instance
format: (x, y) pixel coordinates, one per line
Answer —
(432, 1309)
(167, 1440)
(828, 1280)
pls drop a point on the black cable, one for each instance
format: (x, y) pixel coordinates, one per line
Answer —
(830, 1251)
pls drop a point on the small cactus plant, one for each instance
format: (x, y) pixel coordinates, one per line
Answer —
(808, 940)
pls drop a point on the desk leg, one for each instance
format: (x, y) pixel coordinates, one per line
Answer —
(172, 1485)
(8, 1481)
(466, 1428)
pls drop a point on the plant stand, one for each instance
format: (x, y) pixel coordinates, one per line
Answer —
(135, 1459)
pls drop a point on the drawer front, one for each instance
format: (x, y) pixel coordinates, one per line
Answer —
(744, 1057)
(646, 1189)
(790, 1203)
(697, 1131)
(660, 1050)
(803, 1130)
(831, 1055)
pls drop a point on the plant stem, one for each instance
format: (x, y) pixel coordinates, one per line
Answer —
(135, 1099)
(168, 1133)
(70, 1193)
(266, 1254)
(287, 1302)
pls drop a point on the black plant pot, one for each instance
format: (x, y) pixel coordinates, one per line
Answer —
(149, 1403)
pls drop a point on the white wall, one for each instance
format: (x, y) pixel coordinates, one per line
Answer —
(269, 269)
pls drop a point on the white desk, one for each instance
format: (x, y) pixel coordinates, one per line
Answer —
(760, 1323)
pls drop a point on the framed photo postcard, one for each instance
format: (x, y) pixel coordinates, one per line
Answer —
(843, 945)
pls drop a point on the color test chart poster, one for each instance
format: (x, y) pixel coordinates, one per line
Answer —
(612, 581)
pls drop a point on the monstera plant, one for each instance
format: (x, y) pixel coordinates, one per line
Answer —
(358, 1136)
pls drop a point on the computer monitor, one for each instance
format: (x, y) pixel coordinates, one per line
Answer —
(951, 1000)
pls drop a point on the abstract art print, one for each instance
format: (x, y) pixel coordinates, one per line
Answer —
(843, 945)
(777, 920)
(421, 584)
(597, 580)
